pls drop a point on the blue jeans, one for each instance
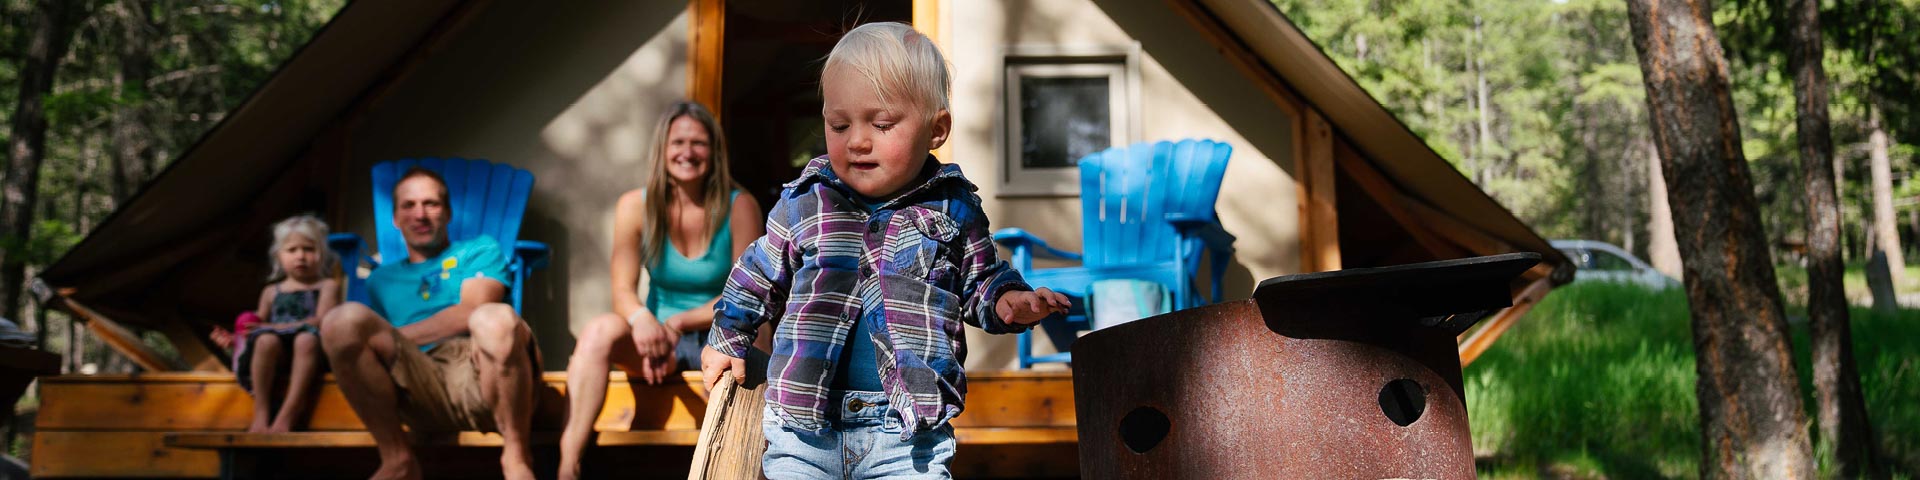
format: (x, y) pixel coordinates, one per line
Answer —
(863, 443)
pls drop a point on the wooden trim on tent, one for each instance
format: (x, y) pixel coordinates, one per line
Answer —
(707, 32)
(1240, 55)
(117, 337)
(1481, 339)
(927, 15)
(1313, 170)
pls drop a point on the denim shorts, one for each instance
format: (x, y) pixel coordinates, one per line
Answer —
(864, 442)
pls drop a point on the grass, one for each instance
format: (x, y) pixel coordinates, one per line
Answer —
(1598, 382)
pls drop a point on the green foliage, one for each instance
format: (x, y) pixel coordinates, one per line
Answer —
(1598, 382)
(1567, 145)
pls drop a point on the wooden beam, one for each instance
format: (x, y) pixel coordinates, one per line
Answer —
(1313, 171)
(58, 454)
(200, 401)
(1482, 338)
(926, 18)
(707, 29)
(118, 337)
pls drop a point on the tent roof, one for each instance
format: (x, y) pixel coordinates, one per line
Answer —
(213, 195)
(186, 209)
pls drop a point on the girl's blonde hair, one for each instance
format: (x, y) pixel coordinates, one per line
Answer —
(305, 225)
(898, 62)
(653, 231)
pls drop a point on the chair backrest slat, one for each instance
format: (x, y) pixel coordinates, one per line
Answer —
(1126, 192)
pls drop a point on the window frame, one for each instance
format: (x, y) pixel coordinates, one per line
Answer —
(1121, 65)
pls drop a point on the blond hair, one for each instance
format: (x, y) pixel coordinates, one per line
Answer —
(653, 227)
(899, 63)
(305, 225)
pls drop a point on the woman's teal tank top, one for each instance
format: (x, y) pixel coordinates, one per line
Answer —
(680, 283)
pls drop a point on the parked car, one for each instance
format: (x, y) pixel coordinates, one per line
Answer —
(1601, 261)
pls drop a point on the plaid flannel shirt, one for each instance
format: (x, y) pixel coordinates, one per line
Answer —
(915, 268)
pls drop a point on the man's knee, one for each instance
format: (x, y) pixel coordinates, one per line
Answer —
(349, 324)
(496, 324)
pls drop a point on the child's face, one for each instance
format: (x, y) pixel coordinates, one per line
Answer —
(689, 151)
(874, 147)
(299, 256)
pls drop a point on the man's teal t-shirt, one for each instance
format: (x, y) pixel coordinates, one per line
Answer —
(406, 293)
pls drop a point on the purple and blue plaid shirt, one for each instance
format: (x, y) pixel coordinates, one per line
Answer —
(915, 267)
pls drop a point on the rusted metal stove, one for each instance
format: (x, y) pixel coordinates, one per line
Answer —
(1348, 374)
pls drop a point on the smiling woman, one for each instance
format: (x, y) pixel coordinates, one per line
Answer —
(685, 228)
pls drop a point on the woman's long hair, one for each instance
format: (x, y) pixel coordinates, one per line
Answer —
(659, 197)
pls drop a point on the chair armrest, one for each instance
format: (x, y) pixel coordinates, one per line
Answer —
(533, 255)
(1018, 239)
(1208, 231)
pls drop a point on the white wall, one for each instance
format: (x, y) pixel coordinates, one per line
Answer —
(568, 90)
(1187, 89)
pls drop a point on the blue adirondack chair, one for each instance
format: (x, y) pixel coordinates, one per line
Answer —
(487, 199)
(1146, 214)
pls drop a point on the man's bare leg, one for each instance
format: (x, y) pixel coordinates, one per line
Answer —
(300, 382)
(607, 339)
(266, 368)
(360, 345)
(506, 379)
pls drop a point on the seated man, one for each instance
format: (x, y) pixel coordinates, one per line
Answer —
(436, 349)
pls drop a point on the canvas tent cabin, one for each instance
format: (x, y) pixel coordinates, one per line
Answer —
(1322, 176)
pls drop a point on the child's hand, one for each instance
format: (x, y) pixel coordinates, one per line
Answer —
(713, 364)
(1026, 308)
(221, 337)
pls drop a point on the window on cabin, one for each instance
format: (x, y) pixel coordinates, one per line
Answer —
(1059, 108)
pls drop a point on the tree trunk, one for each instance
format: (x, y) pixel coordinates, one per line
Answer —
(1844, 433)
(1661, 249)
(132, 137)
(1483, 149)
(1752, 421)
(52, 31)
(1885, 227)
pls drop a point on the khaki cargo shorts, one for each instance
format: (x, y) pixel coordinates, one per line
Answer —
(439, 389)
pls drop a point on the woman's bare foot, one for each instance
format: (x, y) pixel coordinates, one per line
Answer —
(259, 426)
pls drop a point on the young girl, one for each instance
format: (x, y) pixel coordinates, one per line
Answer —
(287, 324)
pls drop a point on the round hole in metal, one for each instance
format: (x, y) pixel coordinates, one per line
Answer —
(1144, 428)
(1403, 401)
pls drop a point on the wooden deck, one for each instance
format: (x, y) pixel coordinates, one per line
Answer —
(171, 425)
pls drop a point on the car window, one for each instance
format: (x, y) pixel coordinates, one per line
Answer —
(1581, 259)
(1603, 261)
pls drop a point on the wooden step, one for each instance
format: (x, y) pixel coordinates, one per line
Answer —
(170, 425)
(686, 438)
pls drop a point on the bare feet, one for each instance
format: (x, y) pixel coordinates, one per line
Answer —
(405, 469)
(280, 428)
(569, 471)
(259, 426)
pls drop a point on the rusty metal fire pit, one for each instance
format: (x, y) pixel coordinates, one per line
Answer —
(1348, 374)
